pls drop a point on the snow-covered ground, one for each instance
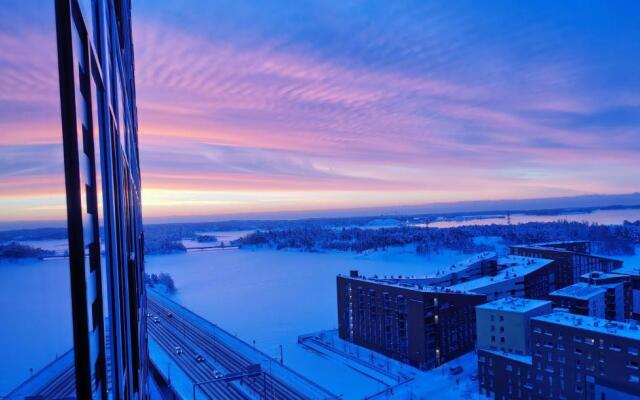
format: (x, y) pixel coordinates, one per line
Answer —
(400, 380)
(271, 297)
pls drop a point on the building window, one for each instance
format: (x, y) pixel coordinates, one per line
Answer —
(493, 338)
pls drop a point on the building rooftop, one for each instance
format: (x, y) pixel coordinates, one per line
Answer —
(513, 267)
(628, 330)
(546, 246)
(522, 265)
(407, 284)
(600, 275)
(514, 304)
(464, 264)
(516, 357)
(560, 242)
(580, 290)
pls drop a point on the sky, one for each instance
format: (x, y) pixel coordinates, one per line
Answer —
(290, 105)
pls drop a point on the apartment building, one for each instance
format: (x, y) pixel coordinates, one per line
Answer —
(582, 299)
(598, 294)
(585, 357)
(572, 357)
(619, 296)
(423, 326)
(633, 273)
(516, 277)
(503, 324)
(573, 259)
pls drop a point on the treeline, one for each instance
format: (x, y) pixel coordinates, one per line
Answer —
(163, 279)
(606, 239)
(14, 250)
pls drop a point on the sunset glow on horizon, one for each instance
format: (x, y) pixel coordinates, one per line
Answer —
(312, 106)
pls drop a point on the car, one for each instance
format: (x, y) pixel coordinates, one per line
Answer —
(456, 370)
(217, 374)
(178, 350)
(156, 320)
(199, 358)
(170, 315)
(149, 315)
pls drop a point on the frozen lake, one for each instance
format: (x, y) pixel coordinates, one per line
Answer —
(272, 296)
(35, 310)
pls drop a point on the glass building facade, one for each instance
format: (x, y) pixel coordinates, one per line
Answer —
(102, 183)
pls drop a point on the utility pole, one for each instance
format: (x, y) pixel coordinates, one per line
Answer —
(281, 357)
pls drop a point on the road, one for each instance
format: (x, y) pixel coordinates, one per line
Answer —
(178, 330)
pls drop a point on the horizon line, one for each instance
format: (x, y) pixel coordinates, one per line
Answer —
(593, 201)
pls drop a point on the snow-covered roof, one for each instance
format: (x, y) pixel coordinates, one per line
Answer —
(540, 246)
(559, 242)
(514, 304)
(516, 357)
(522, 265)
(600, 275)
(409, 286)
(513, 267)
(464, 264)
(580, 290)
(628, 330)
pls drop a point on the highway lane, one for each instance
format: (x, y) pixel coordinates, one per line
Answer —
(196, 371)
(269, 387)
(62, 386)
